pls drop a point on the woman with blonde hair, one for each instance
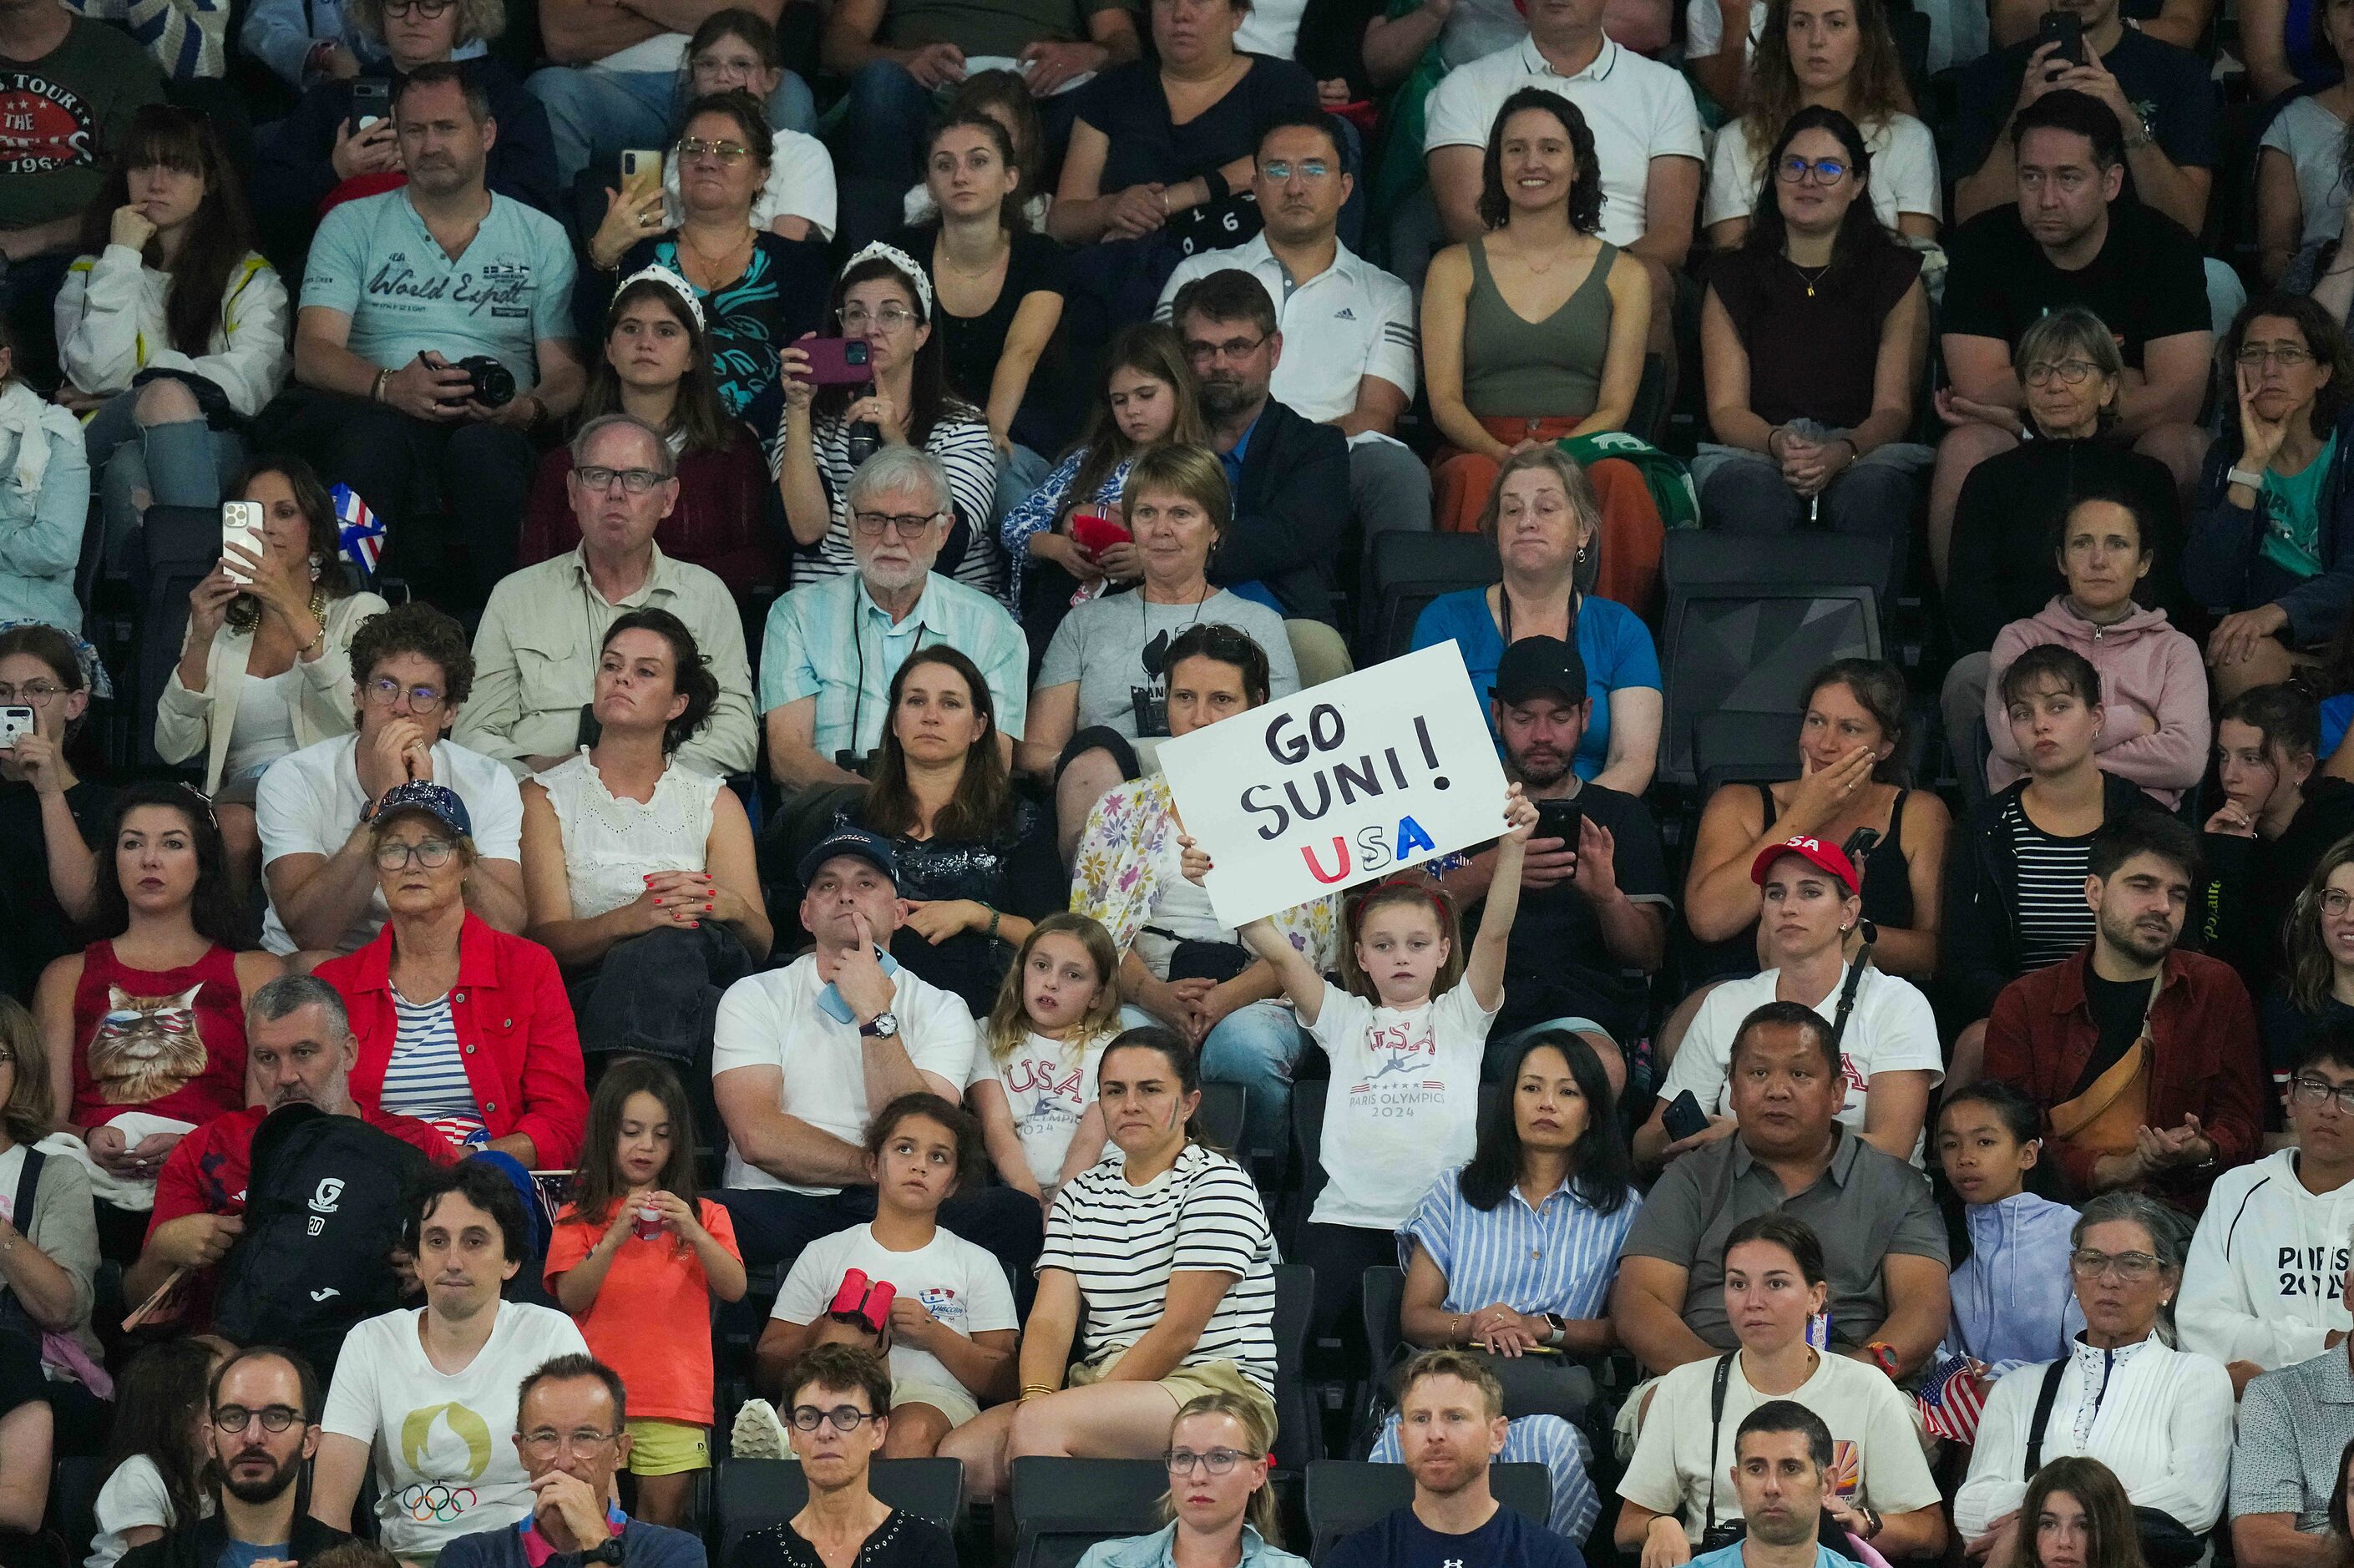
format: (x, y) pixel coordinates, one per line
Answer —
(1219, 1506)
(1033, 1083)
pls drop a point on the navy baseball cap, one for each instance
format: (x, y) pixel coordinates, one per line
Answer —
(871, 848)
(438, 802)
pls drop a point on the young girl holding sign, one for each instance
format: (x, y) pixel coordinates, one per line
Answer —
(1407, 1037)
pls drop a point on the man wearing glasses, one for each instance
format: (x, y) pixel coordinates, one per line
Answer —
(572, 1433)
(413, 673)
(535, 654)
(260, 1431)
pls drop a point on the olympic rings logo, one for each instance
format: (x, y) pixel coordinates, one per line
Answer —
(435, 1503)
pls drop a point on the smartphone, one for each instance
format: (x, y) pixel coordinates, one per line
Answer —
(241, 526)
(1560, 819)
(1684, 1116)
(1097, 531)
(14, 722)
(641, 166)
(2066, 29)
(836, 361)
(371, 102)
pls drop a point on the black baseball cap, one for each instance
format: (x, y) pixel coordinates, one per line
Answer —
(1538, 666)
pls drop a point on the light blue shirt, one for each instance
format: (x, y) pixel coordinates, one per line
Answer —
(1159, 1551)
(1730, 1557)
(375, 260)
(41, 528)
(1559, 1256)
(830, 641)
(279, 34)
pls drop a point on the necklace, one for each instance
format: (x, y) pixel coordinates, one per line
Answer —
(1817, 277)
(716, 265)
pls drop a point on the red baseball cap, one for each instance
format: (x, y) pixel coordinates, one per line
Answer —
(1828, 857)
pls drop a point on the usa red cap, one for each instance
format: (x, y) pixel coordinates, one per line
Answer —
(1828, 857)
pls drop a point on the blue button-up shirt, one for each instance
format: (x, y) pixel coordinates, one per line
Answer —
(1559, 1256)
(1159, 1551)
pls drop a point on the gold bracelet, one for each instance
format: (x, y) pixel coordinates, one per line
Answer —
(1035, 1390)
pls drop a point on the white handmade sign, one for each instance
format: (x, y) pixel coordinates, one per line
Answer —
(1339, 784)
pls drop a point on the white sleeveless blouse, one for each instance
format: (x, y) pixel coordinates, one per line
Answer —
(610, 845)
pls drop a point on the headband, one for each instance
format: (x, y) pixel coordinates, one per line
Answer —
(93, 673)
(658, 273)
(917, 277)
(1354, 908)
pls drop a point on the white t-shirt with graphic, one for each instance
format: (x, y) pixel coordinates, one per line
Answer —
(443, 1442)
(1048, 1093)
(959, 1283)
(1404, 1107)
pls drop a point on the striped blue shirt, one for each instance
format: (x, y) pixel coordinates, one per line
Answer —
(1560, 1256)
(426, 1076)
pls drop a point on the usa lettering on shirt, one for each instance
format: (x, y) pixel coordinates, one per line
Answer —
(1057, 1093)
(1403, 1052)
(44, 125)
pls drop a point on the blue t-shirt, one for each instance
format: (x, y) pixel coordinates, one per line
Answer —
(375, 260)
(1510, 1540)
(1614, 643)
(1730, 1557)
(246, 1553)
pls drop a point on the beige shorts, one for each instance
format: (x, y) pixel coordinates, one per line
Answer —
(950, 1399)
(1187, 1382)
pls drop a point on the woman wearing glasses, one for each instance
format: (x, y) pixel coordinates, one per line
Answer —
(2272, 535)
(266, 666)
(837, 1412)
(758, 291)
(51, 819)
(882, 302)
(459, 1024)
(2160, 1418)
(2313, 998)
(1219, 1505)
(1813, 335)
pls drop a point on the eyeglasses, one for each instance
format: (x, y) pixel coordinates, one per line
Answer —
(1794, 170)
(1280, 170)
(383, 692)
(2073, 372)
(728, 153)
(845, 1418)
(273, 1417)
(32, 694)
(580, 1440)
(2314, 1091)
(2335, 902)
(2287, 355)
(426, 9)
(1217, 1461)
(431, 853)
(890, 318)
(2133, 1267)
(636, 481)
(1201, 352)
(906, 524)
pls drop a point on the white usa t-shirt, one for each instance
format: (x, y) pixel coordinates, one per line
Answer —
(1404, 1107)
(443, 1442)
(959, 1283)
(1048, 1092)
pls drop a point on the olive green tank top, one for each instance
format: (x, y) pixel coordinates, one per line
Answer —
(1524, 370)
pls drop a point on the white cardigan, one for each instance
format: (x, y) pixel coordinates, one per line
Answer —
(184, 724)
(2164, 1426)
(111, 326)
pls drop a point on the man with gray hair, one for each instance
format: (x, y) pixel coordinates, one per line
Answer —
(536, 652)
(830, 648)
(299, 1051)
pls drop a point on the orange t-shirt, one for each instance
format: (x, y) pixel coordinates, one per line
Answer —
(651, 1284)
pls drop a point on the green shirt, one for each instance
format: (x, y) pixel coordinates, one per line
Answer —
(2293, 519)
(989, 27)
(60, 117)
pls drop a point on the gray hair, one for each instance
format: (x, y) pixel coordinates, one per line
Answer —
(2071, 330)
(290, 994)
(2164, 1225)
(895, 468)
(665, 463)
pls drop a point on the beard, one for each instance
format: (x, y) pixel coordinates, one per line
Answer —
(1540, 769)
(2135, 941)
(259, 1489)
(1223, 397)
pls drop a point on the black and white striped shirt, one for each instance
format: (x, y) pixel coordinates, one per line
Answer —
(961, 443)
(2053, 918)
(1123, 1242)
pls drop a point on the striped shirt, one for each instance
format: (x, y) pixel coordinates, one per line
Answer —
(425, 1077)
(1560, 1256)
(1123, 1242)
(2053, 918)
(964, 449)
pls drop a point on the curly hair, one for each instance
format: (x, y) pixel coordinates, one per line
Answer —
(416, 628)
(1876, 86)
(2322, 336)
(1584, 187)
(691, 675)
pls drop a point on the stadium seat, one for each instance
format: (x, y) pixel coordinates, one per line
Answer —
(757, 1493)
(1410, 571)
(73, 1502)
(1345, 1496)
(1299, 1438)
(1221, 1115)
(1061, 1506)
(183, 544)
(1745, 748)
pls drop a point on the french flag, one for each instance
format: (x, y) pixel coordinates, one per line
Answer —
(359, 531)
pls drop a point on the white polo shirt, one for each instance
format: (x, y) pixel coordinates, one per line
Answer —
(1351, 320)
(1637, 109)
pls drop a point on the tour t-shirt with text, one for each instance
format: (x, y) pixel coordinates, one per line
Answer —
(1048, 1090)
(2147, 282)
(60, 117)
(1405, 1101)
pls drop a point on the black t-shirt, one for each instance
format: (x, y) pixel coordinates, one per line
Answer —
(901, 1541)
(1127, 105)
(2147, 282)
(36, 926)
(2118, 1008)
(1557, 964)
(2170, 86)
(1813, 350)
(1509, 1540)
(970, 346)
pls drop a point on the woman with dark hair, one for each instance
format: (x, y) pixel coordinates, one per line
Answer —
(2301, 171)
(266, 665)
(758, 291)
(146, 1028)
(2315, 995)
(2075, 1515)
(1535, 330)
(1002, 96)
(883, 299)
(51, 819)
(2272, 535)
(835, 1442)
(735, 50)
(1814, 333)
(657, 366)
(639, 872)
(1834, 55)
(172, 329)
(156, 1456)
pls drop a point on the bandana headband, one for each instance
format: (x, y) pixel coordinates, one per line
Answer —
(916, 278)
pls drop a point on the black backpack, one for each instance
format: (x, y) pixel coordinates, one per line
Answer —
(324, 1206)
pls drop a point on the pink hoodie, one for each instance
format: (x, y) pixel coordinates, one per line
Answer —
(2154, 728)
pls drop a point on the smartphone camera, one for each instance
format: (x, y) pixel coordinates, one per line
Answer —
(14, 722)
(494, 384)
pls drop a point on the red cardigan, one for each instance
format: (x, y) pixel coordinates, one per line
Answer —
(720, 522)
(2204, 1059)
(513, 1024)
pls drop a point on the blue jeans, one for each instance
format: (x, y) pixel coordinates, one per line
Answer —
(183, 463)
(596, 113)
(1253, 1046)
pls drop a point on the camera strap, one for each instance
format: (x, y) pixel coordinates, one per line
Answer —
(1715, 1425)
(2044, 1397)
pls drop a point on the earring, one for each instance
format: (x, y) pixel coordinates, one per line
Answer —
(314, 566)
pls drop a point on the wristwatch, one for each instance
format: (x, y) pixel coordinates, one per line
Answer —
(881, 1026)
(2254, 481)
(1884, 1356)
(1560, 1328)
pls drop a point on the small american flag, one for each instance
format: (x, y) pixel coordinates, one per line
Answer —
(1951, 1397)
(359, 531)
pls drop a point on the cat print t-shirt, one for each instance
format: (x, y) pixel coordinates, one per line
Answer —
(1048, 1090)
(1403, 1106)
(170, 1042)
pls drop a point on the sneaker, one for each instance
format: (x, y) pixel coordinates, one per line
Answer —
(758, 1434)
